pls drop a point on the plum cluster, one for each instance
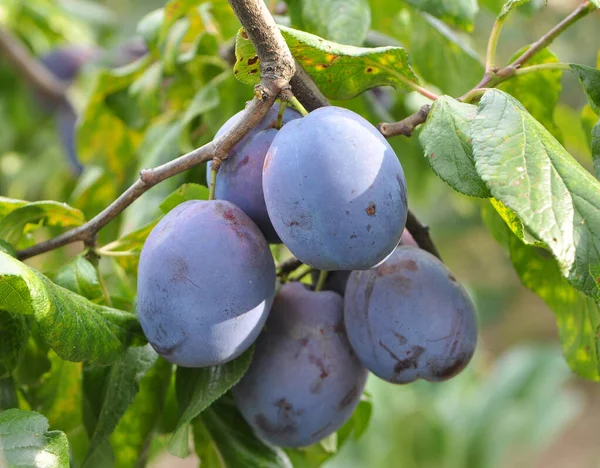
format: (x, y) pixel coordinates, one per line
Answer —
(331, 188)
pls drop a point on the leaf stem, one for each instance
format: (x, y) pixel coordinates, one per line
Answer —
(419, 89)
(213, 180)
(282, 106)
(542, 67)
(473, 94)
(300, 273)
(490, 61)
(298, 106)
(321, 282)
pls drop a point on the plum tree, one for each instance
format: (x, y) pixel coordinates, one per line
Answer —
(409, 318)
(239, 179)
(206, 283)
(335, 190)
(304, 381)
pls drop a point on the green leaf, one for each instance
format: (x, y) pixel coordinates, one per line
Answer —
(538, 92)
(9, 204)
(596, 3)
(26, 442)
(342, 21)
(198, 388)
(340, 72)
(438, 54)
(509, 5)
(459, 13)
(79, 276)
(132, 435)
(314, 455)
(149, 26)
(8, 394)
(103, 138)
(223, 439)
(184, 193)
(175, 9)
(58, 396)
(14, 332)
(446, 140)
(75, 328)
(532, 174)
(7, 249)
(48, 213)
(596, 149)
(590, 80)
(121, 387)
(577, 316)
(356, 426)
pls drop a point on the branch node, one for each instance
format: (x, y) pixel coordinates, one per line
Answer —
(286, 93)
(147, 176)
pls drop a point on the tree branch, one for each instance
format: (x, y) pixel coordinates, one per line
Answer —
(36, 74)
(278, 67)
(406, 126)
(491, 77)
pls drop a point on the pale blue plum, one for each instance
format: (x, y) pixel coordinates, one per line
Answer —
(335, 190)
(206, 283)
(304, 381)
(410, 319)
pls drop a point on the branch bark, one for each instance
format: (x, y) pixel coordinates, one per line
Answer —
(406, 126)
(278, 67)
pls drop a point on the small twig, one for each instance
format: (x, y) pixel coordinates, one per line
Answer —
(492, 76)
(420, 233)
(491, 79)
(405, 126)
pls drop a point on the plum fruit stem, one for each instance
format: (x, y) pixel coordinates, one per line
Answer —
(213, 181)
(282, 106)
(321, 282)
(299, 107)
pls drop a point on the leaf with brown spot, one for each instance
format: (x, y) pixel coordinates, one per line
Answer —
(338, 70)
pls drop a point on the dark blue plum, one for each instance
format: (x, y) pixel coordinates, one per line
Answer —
(304, 381)
(335, 191)
(206, 283)
(239, 179)
(66, 62)
(410, 319)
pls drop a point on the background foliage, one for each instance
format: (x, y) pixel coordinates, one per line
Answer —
(73, 350)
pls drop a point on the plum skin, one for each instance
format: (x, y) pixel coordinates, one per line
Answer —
(239, 179)
(335, 190)
(409, 318)
(304, 381)
(206, 282)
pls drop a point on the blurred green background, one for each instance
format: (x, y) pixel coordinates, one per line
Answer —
(517, 405)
